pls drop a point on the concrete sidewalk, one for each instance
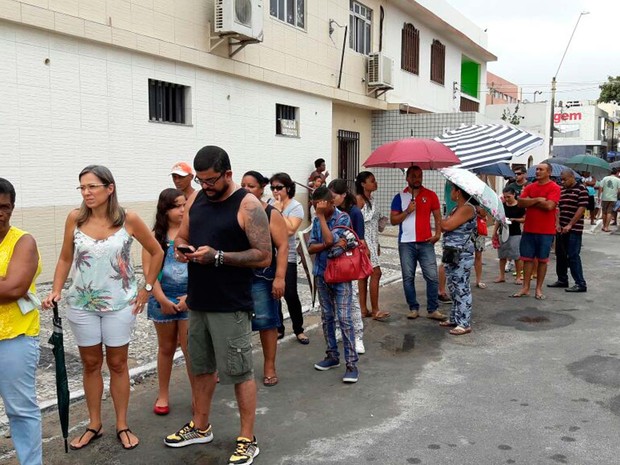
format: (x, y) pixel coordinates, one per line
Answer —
(536, 382)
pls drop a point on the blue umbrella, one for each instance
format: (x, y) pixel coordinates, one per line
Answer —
(497, 169)
(556, 171)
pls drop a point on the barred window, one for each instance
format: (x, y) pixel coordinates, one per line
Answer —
(438, 62)
(167, 102)
(410, 49)
(287, 120)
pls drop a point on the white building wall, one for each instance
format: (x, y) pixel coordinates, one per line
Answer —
(90, 105)
(418, 90)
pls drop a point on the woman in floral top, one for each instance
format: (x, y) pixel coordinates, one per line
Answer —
(103, 298)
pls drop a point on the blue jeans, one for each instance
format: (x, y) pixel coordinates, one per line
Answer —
(336, 303)
(412, 253)
(568, 249)
(19, 358)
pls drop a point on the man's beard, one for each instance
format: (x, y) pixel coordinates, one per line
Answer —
(216, 194)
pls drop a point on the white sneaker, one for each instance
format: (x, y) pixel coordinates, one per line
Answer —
(359, 346)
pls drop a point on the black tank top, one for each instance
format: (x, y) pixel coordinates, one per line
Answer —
(223, 288)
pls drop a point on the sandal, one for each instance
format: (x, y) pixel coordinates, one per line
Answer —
(540, 297)
(366, 314)
(459, 331)
(270, 381)
(447, 324)
(499, 280)
(95, 435)
(381, 316)
(481, 285)
(303, 339)
(519, 295)
(130, 445)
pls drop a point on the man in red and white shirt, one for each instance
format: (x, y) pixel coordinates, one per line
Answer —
(540, 200)
(412, 210)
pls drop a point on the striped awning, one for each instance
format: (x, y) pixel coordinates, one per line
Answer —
(486, 144)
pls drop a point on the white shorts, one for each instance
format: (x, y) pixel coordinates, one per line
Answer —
(114, 329)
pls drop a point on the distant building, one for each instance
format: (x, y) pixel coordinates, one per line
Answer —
(501, 91)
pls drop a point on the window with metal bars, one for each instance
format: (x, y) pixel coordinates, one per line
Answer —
(287, 120)
(438, 62)
(167, 102)
(410, 49)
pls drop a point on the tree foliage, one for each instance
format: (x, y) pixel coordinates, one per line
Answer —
(610, 91)
(512, 117)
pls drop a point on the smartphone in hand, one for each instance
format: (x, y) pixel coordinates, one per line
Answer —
(186, 249)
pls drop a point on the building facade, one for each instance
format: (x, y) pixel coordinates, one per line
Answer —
(137, 85)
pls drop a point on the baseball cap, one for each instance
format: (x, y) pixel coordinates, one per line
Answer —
(182, 169)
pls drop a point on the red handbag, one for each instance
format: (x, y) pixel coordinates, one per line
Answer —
(352, 265)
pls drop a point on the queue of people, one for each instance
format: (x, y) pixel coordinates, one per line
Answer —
(209, 284)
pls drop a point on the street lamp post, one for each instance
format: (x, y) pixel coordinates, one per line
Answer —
(554, 82)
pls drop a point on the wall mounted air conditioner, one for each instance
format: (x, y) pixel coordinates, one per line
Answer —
(380, 71)
(242, 18)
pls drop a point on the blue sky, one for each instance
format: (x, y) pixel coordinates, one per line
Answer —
(530, 36)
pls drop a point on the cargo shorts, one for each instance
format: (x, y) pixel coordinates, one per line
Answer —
(221, 342)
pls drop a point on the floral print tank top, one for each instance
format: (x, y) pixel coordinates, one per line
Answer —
(102, 275)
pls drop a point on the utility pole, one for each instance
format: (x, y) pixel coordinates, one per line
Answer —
(554, 82)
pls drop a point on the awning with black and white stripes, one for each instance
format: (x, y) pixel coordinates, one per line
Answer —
(486, 144)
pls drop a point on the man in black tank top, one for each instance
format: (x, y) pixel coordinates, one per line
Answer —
(228, 232)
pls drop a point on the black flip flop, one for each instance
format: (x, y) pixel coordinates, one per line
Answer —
(304, 340)
(96, 435)
(126, 431)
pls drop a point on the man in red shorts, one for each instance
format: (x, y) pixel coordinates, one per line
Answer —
(540, 201)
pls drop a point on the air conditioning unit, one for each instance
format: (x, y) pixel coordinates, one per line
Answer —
(242, 18)
(380, 71)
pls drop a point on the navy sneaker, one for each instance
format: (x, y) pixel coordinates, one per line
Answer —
(327, 364)
(351, 375)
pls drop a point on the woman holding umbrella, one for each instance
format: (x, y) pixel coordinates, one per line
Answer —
(103, 298)
(458, 258)
(19, 331)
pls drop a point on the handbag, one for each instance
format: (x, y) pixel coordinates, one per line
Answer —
(351, 265)
(450, 255)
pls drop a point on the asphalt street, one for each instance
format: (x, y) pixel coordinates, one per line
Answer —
(537, 382)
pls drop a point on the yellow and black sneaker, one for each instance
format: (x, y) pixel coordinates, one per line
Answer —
(188, 435)
(245, 452)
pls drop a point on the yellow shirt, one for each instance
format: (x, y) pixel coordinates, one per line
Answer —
(12, 322)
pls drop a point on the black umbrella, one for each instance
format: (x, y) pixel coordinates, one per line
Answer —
(62, 383)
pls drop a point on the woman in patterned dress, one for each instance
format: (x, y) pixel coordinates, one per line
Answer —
(103, 298)
(458, 234)
(365, 185)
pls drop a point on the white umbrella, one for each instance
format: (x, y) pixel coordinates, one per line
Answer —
(478, 189)
(481, 145)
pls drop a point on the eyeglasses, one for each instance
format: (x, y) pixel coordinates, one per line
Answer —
(90, 187)
(277, 188)
(519, 174)
(208, 182)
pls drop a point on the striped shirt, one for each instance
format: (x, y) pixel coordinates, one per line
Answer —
(571, 199)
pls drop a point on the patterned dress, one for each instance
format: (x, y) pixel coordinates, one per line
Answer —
(457, 276)
(371, 231)
(103, 278)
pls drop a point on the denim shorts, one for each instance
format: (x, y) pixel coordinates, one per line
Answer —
(266, 314)
(221, 342)
(536, 246)
(154, 313)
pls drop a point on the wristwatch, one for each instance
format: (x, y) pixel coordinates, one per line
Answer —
(148, 287)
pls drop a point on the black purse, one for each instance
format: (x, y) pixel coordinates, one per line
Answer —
(450, 255)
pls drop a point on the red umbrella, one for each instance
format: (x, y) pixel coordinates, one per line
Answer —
(425, 153)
